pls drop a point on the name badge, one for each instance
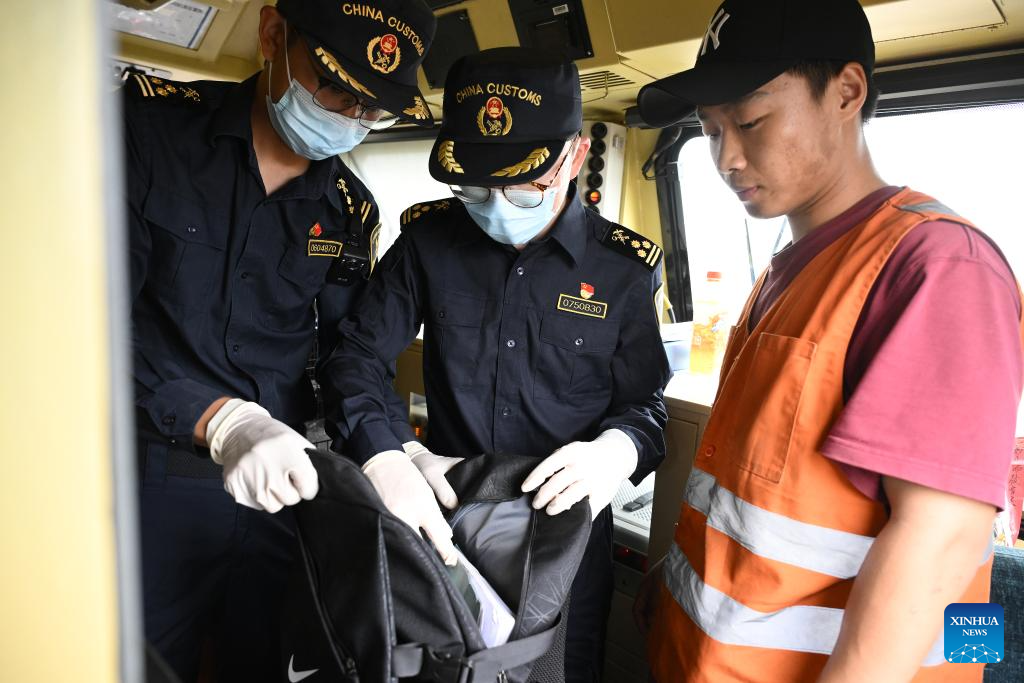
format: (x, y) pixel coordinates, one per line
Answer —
(324, 248)
(574, 304)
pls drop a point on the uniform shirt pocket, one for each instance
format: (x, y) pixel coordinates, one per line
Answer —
(187, 251)
(574, 357)
(457, 322)
(301, 277)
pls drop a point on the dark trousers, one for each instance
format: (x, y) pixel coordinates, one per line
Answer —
(589, 605)
(213, 571)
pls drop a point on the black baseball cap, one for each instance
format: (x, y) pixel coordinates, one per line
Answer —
(373, 48)
(751, 42)
(507, 114)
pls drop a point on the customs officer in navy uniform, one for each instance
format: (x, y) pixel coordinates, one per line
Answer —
(541, 332)
(247, 235)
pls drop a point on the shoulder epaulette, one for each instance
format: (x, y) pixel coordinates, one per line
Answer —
(151, 87)
(417, 210)
(632, 245)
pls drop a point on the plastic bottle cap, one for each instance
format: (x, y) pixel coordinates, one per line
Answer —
(714, 275)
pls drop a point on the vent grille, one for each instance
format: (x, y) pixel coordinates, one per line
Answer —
(599, 80)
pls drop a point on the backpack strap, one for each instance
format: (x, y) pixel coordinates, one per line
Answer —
(486, 666)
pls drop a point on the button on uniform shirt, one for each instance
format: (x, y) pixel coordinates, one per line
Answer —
(226, 281)
(524, 352)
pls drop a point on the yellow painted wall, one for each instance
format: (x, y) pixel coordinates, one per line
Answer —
(639, 210)
(58, 600)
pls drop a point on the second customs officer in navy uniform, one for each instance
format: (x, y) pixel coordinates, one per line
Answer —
(246, 230)
(541, 334)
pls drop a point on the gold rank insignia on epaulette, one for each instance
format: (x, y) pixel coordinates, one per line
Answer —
(151, 86)
(364, 211)
(417, 210)
(632, 244)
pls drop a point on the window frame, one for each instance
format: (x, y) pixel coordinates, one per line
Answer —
(968, 81)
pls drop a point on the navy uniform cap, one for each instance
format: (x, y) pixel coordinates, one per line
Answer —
(751, 42)
(507, 114)
(372, 48)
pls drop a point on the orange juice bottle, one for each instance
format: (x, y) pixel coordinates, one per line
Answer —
(709, 328)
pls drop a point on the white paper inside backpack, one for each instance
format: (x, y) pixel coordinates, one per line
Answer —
(496, 619)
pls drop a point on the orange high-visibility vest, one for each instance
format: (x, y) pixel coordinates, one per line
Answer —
(772, 534)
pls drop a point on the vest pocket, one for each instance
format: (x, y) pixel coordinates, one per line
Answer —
(762, 406)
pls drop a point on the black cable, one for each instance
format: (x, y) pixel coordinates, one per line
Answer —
(665, 141)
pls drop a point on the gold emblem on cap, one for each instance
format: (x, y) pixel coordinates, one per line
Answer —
(494, 118)
(384, 53)
(331, 62)
(418, 109)
(531, 162)
(446, 157)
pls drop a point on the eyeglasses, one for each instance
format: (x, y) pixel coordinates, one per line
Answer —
(333, 98)
(524, 195)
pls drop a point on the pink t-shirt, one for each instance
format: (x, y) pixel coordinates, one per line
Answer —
(934, 369)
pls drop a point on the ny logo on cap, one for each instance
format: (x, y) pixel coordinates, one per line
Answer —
(714, 28)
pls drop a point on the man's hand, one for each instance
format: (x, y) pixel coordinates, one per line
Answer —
(408, 496)
(593, 469)
(433, 468)
(265, 461)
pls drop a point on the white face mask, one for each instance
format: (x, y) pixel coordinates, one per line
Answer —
(307, 128)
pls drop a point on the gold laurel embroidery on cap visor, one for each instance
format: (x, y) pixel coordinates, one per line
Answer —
(418, 109)
(381, 60)
(446, 157)
(494, 127)
(531, 162)
(331, 62)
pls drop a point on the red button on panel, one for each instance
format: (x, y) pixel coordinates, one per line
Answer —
(709, 451)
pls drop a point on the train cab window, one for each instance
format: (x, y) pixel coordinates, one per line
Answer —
(968, 158)
(396, 174)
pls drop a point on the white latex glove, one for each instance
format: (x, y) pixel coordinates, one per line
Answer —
(583, 468)
(433, 468)
(408, 496)
(265, 461)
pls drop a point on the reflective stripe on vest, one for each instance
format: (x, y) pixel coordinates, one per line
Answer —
(771, 535)
(799, 628)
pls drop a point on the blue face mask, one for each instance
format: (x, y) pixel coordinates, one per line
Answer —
(310, 130)
(507, 223)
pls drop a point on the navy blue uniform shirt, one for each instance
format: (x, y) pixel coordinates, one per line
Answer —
(227, 282)
(523, 352)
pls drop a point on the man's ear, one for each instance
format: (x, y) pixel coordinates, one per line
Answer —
(579, 156)
(851, 90)
(273, 33)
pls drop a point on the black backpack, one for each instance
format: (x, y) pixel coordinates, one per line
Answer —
(371, 601)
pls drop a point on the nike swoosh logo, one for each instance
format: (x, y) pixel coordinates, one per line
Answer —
(296, 676)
